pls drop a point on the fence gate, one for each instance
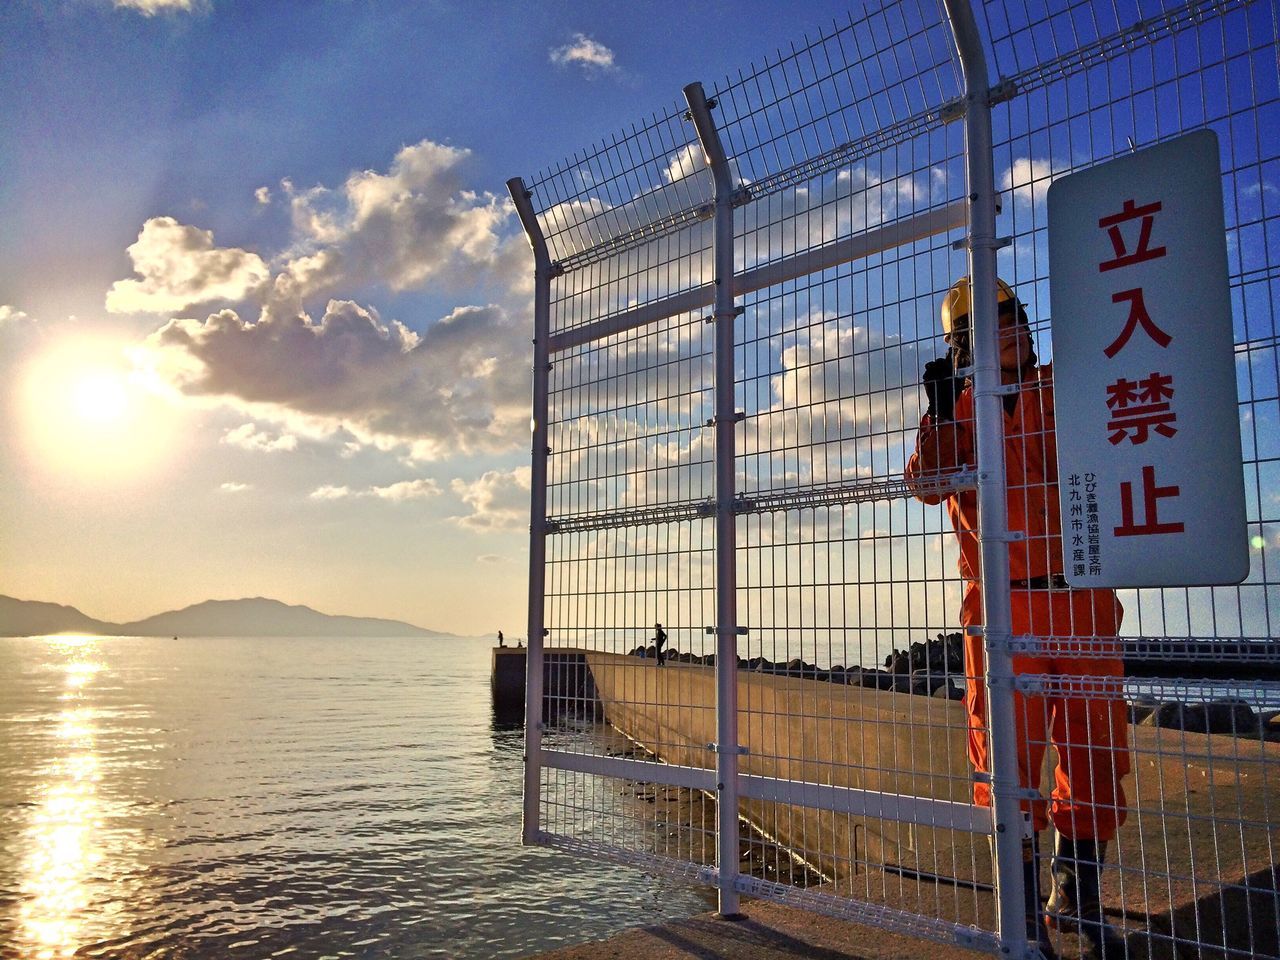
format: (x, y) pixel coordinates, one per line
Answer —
(746, 663)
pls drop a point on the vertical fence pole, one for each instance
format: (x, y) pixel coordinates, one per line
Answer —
(993, 520)
(537, 509)
(726, 520)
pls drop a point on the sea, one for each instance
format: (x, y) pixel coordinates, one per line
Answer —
(266, 797)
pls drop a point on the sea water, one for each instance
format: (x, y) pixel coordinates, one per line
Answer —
(279, 797)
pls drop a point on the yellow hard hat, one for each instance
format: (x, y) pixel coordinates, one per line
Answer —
(957, 302)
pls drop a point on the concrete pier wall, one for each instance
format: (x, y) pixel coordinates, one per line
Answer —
(796, 729)
(1195, 860)
(1203, 824)
(567, 683)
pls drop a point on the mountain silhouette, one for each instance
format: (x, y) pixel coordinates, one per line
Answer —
(249, 617)
(30, 618)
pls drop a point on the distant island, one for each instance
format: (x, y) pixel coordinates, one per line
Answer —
(250, 617)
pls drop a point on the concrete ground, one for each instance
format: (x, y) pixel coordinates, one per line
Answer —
(771, 931)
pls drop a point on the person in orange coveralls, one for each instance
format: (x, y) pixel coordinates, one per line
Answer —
(1089, 731)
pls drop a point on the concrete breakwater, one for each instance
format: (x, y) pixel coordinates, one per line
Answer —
(1186, 793)
(936, 668)
(932, 668)
(567, 682)
(838, 734)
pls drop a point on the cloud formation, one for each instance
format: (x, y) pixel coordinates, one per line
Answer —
(458, 386)
(685, 162)
(180, 267)
(452, 389)
(149, 8)
(410, 226)
(421, 489)
(248, 437)
(233, 487)
(1028, 178)
(842, 405)
(499, 500)
(594, 57)
(329, 493)
(12, 315)
(404, 228)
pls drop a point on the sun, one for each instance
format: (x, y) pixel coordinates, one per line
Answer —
(89, 417)
(101, 397)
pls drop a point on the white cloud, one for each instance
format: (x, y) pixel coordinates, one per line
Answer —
(149, 8)
(685, 162)
(459, 387)
(421, 489)
(12, 315)
(576, 224)
(842, 405)
(412, 225)
(248, 437)
(499, 500)
(231, 487)
(180, 267)
(1259, 188)
(329, 493)
(1029, 179)
(403, 228)
(491, 558)
(592, 56)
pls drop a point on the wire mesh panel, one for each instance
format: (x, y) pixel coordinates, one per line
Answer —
(846, 140)
(629, 570)
(1159, 781)
(854, 780)
(1144, 721)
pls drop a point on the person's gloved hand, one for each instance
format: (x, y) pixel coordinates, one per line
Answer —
(942, 386)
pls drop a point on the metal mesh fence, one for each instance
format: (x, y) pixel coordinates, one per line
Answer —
(862, 775)
(1191, 869)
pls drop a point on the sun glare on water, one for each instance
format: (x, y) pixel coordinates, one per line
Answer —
(73, 853)
(89, 416)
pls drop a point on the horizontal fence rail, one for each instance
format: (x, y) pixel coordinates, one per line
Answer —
(810, 261)
(812, 498)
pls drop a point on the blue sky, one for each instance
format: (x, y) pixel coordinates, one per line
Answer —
(169, 162)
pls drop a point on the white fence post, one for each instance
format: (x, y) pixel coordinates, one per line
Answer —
(537, 508)
(993, 520)
(726, 625)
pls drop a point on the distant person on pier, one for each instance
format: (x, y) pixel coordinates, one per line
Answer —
(1077, 627)
(501, 641)
(659, 641)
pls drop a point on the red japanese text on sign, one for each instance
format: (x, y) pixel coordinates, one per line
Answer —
(1138, 317)
(1145, 401)
(1144, 251)
(1151, 496)
(1138, 406)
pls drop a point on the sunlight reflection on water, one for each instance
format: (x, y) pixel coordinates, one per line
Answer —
(199, 798)
(61, 838)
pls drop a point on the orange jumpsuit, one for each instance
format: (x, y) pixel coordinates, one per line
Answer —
(1089, 731)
